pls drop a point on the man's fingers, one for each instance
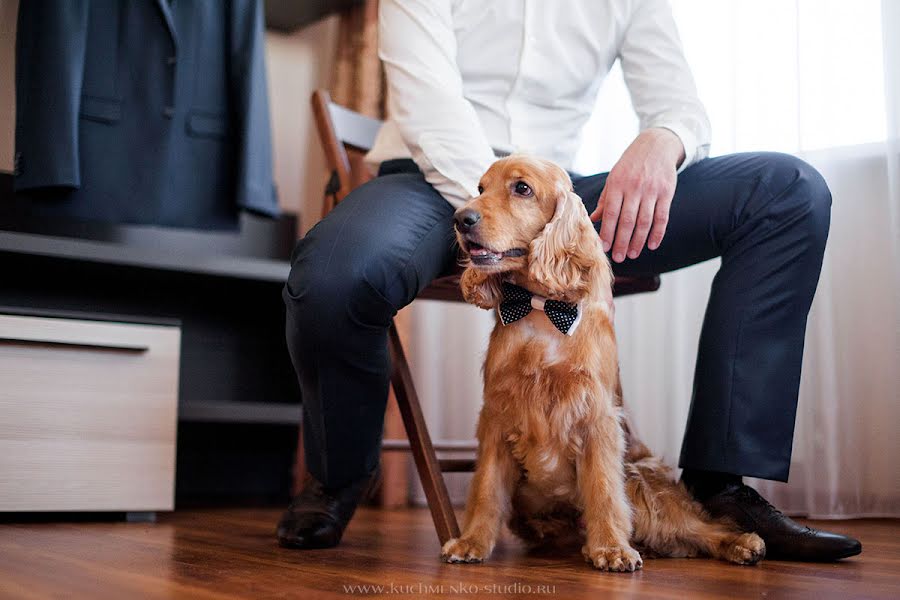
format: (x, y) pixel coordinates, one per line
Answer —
(660, 222)
(642, 227)
(611, 207)
(627, 221)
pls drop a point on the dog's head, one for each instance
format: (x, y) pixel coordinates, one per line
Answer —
(527, 224)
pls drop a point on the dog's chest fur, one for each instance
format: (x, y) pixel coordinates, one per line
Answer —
(547, 461)
(546, 394)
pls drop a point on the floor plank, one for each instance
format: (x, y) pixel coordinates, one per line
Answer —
(230, 553)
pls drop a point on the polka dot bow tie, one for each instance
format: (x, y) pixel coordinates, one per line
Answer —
(518, 303)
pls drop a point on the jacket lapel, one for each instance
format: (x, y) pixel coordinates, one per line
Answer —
(166, 11)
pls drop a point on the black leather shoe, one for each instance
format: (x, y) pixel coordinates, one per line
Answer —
(317, 516)
(785, 539)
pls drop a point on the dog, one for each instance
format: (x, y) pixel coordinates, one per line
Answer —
(556, 460)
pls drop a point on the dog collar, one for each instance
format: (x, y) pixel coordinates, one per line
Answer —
(518, 303)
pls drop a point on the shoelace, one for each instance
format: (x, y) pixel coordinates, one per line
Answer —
(753, 497)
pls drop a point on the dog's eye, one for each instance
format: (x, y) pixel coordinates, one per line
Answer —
(523, 189)
(480, 189)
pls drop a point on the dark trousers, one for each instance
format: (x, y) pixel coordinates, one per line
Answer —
(765, 214)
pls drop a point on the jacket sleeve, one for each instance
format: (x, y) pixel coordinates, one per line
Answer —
(254, 185)
(417, 44)
(659, 80)
(50, 50)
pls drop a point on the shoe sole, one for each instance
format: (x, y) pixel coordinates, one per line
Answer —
(306, 545)
(833, 558)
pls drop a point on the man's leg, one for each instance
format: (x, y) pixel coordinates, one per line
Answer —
(767, 215)
(349, 276)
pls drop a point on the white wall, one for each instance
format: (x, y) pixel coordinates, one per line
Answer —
(298, 63)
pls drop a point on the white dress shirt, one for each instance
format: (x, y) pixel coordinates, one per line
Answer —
(468, 77)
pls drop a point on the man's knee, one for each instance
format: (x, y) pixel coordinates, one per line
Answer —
(329, 302)
(799, 194)
(368, 258)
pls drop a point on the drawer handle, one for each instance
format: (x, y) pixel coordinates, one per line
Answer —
(132, 348)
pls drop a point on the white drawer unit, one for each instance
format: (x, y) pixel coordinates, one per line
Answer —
(88, 413)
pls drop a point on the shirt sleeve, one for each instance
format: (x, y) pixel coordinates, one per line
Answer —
(425, 96)
(659, 80)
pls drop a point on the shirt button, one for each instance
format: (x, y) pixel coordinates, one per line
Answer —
(168, 112)
(171, 60)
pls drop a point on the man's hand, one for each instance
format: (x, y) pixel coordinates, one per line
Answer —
(638, 193)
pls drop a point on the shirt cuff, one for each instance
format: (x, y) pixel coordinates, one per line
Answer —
(688, 140)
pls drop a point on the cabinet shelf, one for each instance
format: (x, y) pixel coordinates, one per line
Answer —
(258, 269)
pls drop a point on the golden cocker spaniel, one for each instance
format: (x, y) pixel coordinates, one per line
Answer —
(555, 459)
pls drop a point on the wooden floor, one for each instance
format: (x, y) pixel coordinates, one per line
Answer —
(231, 553)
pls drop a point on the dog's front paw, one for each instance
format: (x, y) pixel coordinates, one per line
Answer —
(747, 549)
(465, 550)
(613, 558)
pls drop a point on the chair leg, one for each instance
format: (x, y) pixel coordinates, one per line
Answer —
(420, 442)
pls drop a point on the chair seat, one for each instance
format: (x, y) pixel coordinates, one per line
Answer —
(444, 288)
(447, 288)
(625, 286)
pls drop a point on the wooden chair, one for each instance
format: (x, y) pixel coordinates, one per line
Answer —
(345, 137)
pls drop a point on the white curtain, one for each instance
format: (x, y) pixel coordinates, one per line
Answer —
(818, 78)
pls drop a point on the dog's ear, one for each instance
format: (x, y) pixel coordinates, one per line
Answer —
(481, 289)
(562, 257)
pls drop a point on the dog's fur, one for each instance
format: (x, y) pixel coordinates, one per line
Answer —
(553, 458)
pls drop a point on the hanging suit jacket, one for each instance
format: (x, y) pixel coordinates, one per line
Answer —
(145, 111)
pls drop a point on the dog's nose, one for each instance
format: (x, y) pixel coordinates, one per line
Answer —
(467, 218)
